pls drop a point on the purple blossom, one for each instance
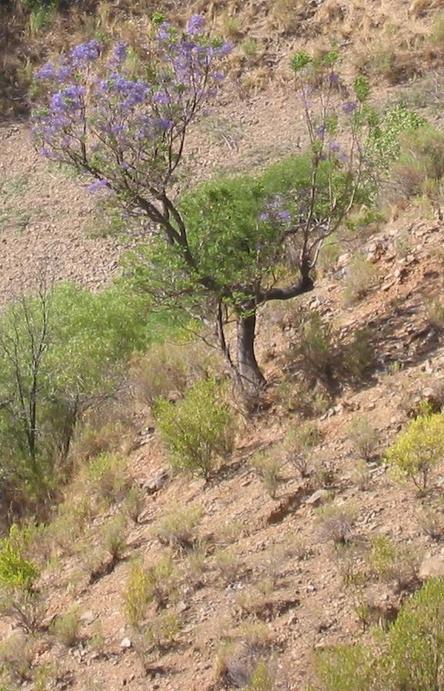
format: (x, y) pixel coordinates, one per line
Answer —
(119, 54)
(164, 31)
(196, 25)
(98, 186)
(68, 100)
(85, 52)
(349, 107)
(50, 72)
(162, 98)
(320, 131)
(333, 78)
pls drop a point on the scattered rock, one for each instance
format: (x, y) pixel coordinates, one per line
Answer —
(318, 497)
(288, 505)
(432, 566)
(155, 483)
(125, 643)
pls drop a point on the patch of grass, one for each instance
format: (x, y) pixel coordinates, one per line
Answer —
(388, 562)
(268, 465)
(114, 538)
(156, 636)
(66, 628)
(146, 585)
(177, 528)
(361, 277)
(299, 445)
(336, 522)
(364, 437)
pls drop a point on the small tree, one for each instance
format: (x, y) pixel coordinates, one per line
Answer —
(61, 352)
(225, 246)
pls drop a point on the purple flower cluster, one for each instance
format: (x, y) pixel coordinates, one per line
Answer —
(127, 129)
(85, 53)
(275, 212)
(349, 107)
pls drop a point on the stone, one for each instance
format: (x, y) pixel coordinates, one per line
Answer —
(125, 643)
(159, 480)
(318, 497)
(432, 566)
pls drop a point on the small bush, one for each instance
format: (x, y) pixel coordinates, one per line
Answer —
(106, 478)
(361, 277)
(364, 437)
(431, 522)
(358, 356)
(157, 635)
(268, 467)
(155, 584)
(242, 659)
(389, 562)
(299, 444)
(315, 347)
(114, 538)
(385, 143)
(134, 503)
(418, 450)
(228, 564)
(435, 314)
(16, 658)
(336, 523)
(198, 430)
(177, 528)
(420, 167)
(15, 570)
(411, 655)
(66, 628)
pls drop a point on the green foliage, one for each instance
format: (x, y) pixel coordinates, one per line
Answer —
(299, 444)
(59, 352)
(157, 583)
(385, 137)
(199, 429)
(106, 478)
(15, 570)
(418, 450)
(419, 168)
(411, 657)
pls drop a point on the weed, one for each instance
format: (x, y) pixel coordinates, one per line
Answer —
(114, 538)
(360, 279)
(435, 314)
(364, 437)
(431, 521)
(156, 635)
(66, 627)
(268, 467)
(16, 658)
(155, 584)
(177, 528)
(336, 523)
(299, 444)
(134, 503)
(228, 564)
(391, 563)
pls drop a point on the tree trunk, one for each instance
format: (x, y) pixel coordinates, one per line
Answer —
(251, 377)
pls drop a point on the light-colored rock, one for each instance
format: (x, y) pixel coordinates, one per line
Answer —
(125, 643)
(432, 566)
(319, 497)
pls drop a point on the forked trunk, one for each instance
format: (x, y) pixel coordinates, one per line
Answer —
(250, 375)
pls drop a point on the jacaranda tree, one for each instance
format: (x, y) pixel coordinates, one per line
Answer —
(226, 247)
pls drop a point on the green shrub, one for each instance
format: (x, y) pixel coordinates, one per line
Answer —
(389, 562)
(15, 570)
(418, 450)
(315, 346)
(66, 627)
(157, 583)
(106, 478)
(114, 537)
(385, 138)
(199, 429)
(336, 522)
(411, 655)
(419, 169)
